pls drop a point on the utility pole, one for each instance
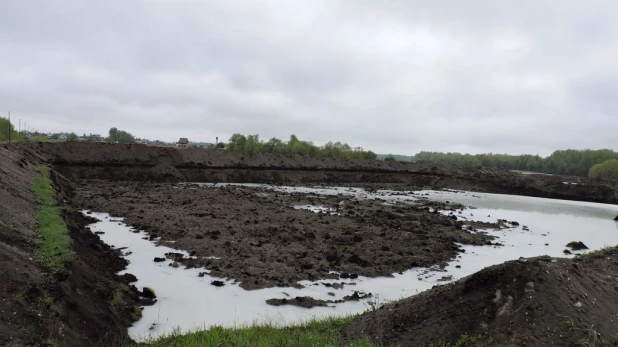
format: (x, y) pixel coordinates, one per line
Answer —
(19, 130)
(9, 126)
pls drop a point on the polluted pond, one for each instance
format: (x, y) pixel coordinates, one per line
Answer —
(190, 298)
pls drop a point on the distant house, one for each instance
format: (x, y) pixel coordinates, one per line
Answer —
(183, 142)
(62, 137)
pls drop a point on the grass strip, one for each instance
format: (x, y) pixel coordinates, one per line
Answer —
(53, 241)
(312, 334)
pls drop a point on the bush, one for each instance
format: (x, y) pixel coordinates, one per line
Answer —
(252, 143)
(607, 170)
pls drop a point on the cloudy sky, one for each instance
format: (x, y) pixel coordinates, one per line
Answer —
(391, 76)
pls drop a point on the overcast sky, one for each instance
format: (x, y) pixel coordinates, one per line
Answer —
(390, 76)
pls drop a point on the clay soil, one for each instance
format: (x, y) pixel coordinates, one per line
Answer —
(262, 241)
(530, 302)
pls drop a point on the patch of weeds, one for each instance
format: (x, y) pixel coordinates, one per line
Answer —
(482, 339)
(19, 296)
(53, 241)
(592, 254)
(29, 330)
(314, 333)
(124, 287)
(50, 343)
(568, 321)
(116, 302)
(592, 339)
(136, 314)
(46, 302)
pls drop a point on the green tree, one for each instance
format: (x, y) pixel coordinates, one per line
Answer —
(607, 170)
(237, 142)
(389, 158)
(5, 128)
(72, 137)
(120, 136)
(252, 143)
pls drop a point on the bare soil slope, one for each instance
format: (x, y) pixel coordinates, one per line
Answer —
(531, 302)
(37, 306)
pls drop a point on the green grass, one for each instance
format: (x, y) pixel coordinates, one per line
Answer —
(312, 334)
(592, 254)
(482, 339)
(53, 241)
(115, 303)
(19, 296)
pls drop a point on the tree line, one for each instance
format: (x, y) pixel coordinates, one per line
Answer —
(7, 128)
(562, 162)
(253, 143)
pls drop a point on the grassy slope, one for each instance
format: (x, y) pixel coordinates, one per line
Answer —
(53, 241)
(314, 333)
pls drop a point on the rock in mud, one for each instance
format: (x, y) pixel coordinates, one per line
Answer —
(217, 283)
(159, 260)
(357, 296)
(148, 293)
(147, 301)
(99, 232)
(300, 301)
(577, 245)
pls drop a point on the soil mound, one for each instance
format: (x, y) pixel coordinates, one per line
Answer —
(530, 302)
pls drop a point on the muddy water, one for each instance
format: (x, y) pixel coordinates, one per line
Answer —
(189, 302)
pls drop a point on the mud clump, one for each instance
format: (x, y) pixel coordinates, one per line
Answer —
(576, 245)
(300, 301)
(256, 237)
(309, 302)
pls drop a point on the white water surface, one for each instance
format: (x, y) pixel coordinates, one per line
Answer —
(189, 302)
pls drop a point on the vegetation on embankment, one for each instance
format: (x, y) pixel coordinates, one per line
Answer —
(312, 334)
(252, 143)
(53, 241)
(607, 170)
(562, 162)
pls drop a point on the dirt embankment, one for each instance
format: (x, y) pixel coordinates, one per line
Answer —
(533, 302)
(38, 306)
(262, 241)
(164, 164)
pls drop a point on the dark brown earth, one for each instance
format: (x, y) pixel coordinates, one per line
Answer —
(70, 308)
(149, 163)
(264, 242)
(534, 302)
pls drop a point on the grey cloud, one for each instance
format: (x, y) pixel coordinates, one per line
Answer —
(398, 76)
